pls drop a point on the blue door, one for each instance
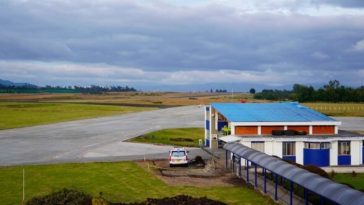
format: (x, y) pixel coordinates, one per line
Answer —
(317, 157)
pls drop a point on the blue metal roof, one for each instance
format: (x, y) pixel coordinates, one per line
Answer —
(269, 112)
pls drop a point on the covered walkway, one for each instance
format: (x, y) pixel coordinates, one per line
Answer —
(285, 182)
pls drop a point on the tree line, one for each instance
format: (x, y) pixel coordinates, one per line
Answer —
(93, 89)
(331, 92)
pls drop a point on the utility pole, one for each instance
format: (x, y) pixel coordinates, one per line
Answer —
(23, 185)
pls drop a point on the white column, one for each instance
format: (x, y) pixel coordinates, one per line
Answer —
(336, 130)
(232, 128)
(333, 153)
(355, 152)
(210, 121)
(285, 127)
(259, 130)
(277, 149)
(216, 121)
(268, 147)
(299, 152)
(205, 123)
(310, 130)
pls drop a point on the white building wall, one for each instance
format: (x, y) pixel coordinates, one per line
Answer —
(356, 147)
(277, 149)
(245, 143)
(268, 147)
(299, 152)
(333, 153)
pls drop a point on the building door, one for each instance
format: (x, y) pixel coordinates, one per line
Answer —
(317, 153)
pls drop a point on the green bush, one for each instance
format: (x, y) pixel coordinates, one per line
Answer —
(63, 197)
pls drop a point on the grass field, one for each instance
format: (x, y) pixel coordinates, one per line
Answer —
(357, 182)
(339, 109)
(157, 99)
(124, 181)
(18, 114)
(187, 137)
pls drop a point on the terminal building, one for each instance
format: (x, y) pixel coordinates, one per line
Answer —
(287, 130)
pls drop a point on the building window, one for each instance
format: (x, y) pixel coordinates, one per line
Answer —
(317, 145)
(289, 149)
(344, 148)
(258, 146)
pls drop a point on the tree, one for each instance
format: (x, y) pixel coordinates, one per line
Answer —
(252, 91)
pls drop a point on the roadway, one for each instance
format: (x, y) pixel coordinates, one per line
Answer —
(98, 139)
(103, 139)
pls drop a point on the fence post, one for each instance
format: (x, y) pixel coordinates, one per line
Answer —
(247, 171)
(305, 196)
(255, 175)
(265, 180)
(290, 192)
(239, 166)
(226, 159)
(275, 187)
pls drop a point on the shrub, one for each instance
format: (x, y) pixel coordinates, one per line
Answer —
(332, 174)
(316, 170)
(353, 174)
(63, 197)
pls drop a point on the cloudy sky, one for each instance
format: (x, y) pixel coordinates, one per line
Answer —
(182, 44)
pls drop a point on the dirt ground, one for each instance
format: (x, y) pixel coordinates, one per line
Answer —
(200, 177)
(156, 99)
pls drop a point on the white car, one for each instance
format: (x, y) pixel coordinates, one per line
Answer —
(178, 156)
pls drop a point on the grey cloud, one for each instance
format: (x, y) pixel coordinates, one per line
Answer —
(177, 41)
(341, 3)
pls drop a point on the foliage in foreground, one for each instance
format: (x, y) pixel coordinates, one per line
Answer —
(119, 182)
(74, 197)
(62, 197)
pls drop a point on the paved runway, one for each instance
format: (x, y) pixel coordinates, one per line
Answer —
(351, 123)
(94, 139)
(101, 139)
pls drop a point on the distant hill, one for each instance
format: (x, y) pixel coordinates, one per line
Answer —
(7, 86)
(9, 83)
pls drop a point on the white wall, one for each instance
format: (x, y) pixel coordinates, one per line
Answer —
(245, 143)
(299, 152)
(277, 149)
(268, 147)
(333, 153)
(356, 152)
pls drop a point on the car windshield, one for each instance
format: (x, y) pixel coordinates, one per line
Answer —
(178, 153)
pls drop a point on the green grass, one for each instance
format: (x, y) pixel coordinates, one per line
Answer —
(187, 137)
(357, 182)
(123, 181)
(14, 114)
(339, 109)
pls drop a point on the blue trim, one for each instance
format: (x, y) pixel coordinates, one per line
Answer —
(207, 143)
(221, 124)
(317, 157)
(207, 125)
(344, 160)
(289, 158)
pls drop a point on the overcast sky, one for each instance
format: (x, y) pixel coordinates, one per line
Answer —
(182, 44)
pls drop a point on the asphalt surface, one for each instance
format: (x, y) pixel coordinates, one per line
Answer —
(351, 123)
(102, 139)
(99, 139)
